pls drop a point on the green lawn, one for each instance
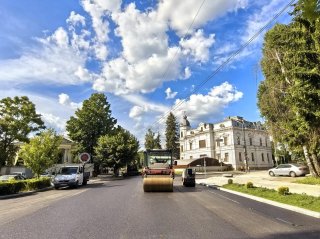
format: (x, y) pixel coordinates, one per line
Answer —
(299, 200)
(308, 180)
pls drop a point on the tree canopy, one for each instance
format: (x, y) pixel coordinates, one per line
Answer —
(117, 150)
(152, 141)
(172, 135)
(41, 152)
(18, 118)
(90, 122)
(289, 96)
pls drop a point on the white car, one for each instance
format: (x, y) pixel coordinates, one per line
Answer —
(289, 169)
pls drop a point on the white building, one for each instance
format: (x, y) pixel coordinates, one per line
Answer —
(234, 141)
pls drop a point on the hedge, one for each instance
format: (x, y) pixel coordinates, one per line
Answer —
(16, 186)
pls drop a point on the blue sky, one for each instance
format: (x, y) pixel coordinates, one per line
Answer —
(146, 56)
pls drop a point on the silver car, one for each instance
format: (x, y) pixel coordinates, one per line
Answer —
(289, 169)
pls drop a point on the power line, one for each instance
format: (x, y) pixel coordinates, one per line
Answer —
(226, 62)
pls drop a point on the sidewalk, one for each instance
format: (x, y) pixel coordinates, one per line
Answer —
(262, 179)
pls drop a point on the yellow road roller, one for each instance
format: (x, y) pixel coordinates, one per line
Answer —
(158, 173)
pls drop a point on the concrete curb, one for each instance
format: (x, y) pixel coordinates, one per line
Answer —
(267, 201)
(22, 194)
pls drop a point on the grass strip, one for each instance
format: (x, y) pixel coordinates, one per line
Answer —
(299, 200)
(308, 180)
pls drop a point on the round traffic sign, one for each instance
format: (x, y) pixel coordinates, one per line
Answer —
(84, 157)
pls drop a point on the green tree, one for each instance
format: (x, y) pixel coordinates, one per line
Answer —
(18, 118)
(117, 150)
(289, 96)
(172, 135)
(152, 141)
(308, 9)
(41, 152)
(90, 122)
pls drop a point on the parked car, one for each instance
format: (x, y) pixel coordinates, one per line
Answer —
(5, 178)
(292, 170)
(20, 174)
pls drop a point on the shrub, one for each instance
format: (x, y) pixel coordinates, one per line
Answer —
(249, 185)
(283, 190)
(230, 181)
(37, 183)
(12, 186)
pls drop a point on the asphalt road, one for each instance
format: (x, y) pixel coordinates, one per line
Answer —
(120, 209)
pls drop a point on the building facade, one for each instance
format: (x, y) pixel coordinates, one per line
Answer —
(234, 141)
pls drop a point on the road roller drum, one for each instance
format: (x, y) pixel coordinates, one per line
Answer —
(158, 184)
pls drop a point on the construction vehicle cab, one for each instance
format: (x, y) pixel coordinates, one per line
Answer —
(158, 173)
(189, 177)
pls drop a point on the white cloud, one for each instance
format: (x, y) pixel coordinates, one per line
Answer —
(64, 99)
(201, 107)
(198, 45)
(75, 19)
(100, 26)
(260, 18)
(147, 105)
(47, 64)
(180, 13)
(120, 77)
(109, 5)
(187, 73)
(136, 112)
(52, 121)
(170, 94)
(60, 38)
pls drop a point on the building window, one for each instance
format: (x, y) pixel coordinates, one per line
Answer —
(268, 157)
(191, 157)
(226, 157)
(252, 157)
(238, 140)
(190, 146)
(262, 157)
(260, 142)
(202, 143)
(218, 143)
(250, 140)
(219, 156)
(266, 142)
(240, 157)
(201, 129)
(181, 148)
(225, 140)
(181, 134)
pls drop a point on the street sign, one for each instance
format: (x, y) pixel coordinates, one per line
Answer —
(84, 157)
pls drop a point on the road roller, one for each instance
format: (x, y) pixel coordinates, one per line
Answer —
(158, 173)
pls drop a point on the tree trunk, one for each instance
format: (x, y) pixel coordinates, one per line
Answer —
(316, 164)
(310, 165)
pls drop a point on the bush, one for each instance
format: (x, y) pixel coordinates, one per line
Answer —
(249, 185)
(283, 190)
(12, 186)
(230, 181)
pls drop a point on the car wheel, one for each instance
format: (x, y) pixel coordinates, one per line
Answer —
(292, 174)
(56, 187)
(271, 174)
